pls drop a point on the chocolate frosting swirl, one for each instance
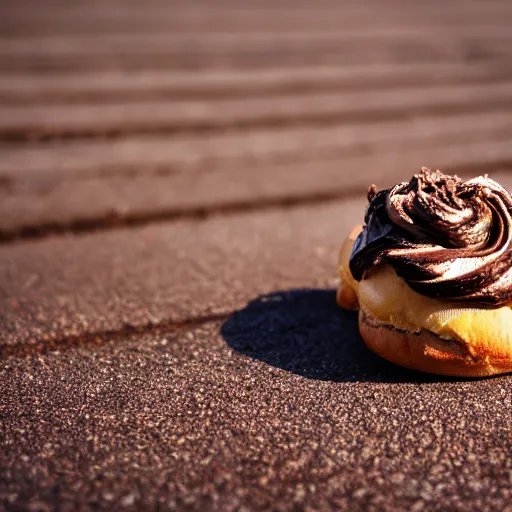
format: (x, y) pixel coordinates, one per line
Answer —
(447, 238)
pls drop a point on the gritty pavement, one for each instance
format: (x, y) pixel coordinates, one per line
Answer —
(278, 407)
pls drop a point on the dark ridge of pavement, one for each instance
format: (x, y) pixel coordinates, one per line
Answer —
(309, 419)
(119, 220)
(107, 204)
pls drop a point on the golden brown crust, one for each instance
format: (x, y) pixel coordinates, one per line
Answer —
(427, 352)
(346, 297)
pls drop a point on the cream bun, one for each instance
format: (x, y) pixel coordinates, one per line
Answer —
(430, 274)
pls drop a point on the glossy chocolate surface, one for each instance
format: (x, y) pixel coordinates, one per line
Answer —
(447, 238)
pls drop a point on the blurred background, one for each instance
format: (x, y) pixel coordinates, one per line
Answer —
(122, 111)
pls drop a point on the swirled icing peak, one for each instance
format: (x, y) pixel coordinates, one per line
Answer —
(448, 238)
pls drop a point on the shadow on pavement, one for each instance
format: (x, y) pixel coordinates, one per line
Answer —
(306, 333)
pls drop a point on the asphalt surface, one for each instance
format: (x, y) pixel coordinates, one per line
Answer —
(170, 272)
(279, 407)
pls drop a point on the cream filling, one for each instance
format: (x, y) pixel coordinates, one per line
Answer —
(388, 297)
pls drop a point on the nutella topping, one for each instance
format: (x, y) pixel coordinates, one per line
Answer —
(447, 238)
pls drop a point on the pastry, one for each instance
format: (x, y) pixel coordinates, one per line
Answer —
(430, 274)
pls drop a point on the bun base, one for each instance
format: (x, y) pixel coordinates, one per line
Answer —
(426, 352)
